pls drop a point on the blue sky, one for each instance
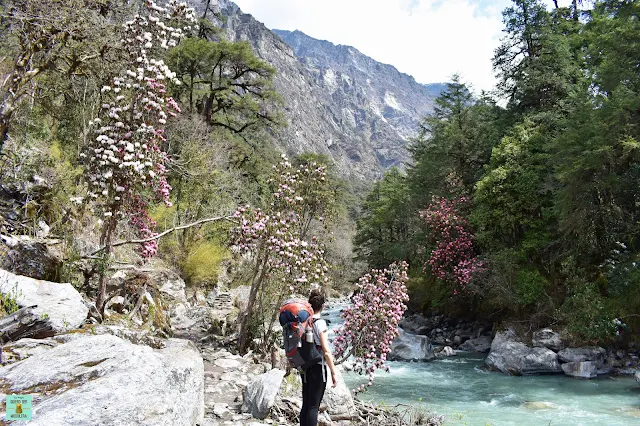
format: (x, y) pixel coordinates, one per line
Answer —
(428, 39)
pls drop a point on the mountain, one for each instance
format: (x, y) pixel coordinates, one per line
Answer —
(338, 102)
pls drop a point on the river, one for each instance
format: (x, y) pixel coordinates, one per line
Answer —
(461, 389)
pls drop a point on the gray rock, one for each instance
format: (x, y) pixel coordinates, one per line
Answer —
(339, 399)
(173, 287)
(23, 255)
(260, 395)
(582, 370)
(60, 302)
(589, 353)
(457, 340)
(547, 338)
(24, 348)
(479, 344)
(515, 358)
(112, 382)
(637, 376)
(411, 347)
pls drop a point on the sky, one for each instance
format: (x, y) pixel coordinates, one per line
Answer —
(428, 39)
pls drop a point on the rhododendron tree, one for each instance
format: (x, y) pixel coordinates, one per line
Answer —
(371, 322)
(454, 259)
(283, 261)
(125, 160)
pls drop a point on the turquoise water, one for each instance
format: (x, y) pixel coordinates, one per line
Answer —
(466, 394)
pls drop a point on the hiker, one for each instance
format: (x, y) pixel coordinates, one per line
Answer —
(314, 379)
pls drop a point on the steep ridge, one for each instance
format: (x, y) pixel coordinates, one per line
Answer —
(338, 102)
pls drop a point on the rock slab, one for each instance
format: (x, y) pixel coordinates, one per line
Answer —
(260, 395)
(110, 381)
(59, 303)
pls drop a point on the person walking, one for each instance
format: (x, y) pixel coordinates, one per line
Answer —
(314, 379)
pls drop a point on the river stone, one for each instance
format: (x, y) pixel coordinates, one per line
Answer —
(589, 353)
(547, 338)
(479, 344)
(60, 302)
(260, 395)
(111, 381)
(582, 370)
(411, 347)
(515, 358)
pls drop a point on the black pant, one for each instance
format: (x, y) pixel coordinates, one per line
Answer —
(313, 386)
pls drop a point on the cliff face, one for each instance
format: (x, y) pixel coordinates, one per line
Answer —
(338, 102)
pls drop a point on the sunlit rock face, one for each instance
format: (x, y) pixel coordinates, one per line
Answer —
(338, 102)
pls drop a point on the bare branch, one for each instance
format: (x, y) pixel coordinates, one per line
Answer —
(162, 234)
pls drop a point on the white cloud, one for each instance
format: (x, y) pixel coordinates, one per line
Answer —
(429, 39)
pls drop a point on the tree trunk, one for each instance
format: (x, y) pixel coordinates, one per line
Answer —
(5, 116)
(258, 276)
(105, 241)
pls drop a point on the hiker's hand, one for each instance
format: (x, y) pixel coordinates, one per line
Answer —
(334, 380)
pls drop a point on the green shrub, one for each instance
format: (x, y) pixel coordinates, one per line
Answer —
(589, 316)
(530, 287)
(200, 266)
(8, 304)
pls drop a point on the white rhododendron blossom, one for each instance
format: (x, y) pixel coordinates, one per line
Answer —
(125, 156)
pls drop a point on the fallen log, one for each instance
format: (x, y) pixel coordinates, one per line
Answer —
(24, 323)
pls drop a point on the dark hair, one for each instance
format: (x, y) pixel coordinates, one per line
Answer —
(316, 300)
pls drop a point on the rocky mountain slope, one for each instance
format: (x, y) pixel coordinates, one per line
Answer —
(338, 102)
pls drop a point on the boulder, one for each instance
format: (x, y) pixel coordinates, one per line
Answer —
(581, 369)
(339, 399)
(59, 303)
(260, 395)
(515, 358)
(411, 347)
(589, 353)
(23, 255)
(479, 344)
(637, 376)
(112, 382)
(547, 338)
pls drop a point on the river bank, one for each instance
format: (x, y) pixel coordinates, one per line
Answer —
(467, 392)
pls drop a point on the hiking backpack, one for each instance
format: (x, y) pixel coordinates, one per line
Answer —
(295, 317)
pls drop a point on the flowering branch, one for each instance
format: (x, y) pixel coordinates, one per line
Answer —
(371, 322)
